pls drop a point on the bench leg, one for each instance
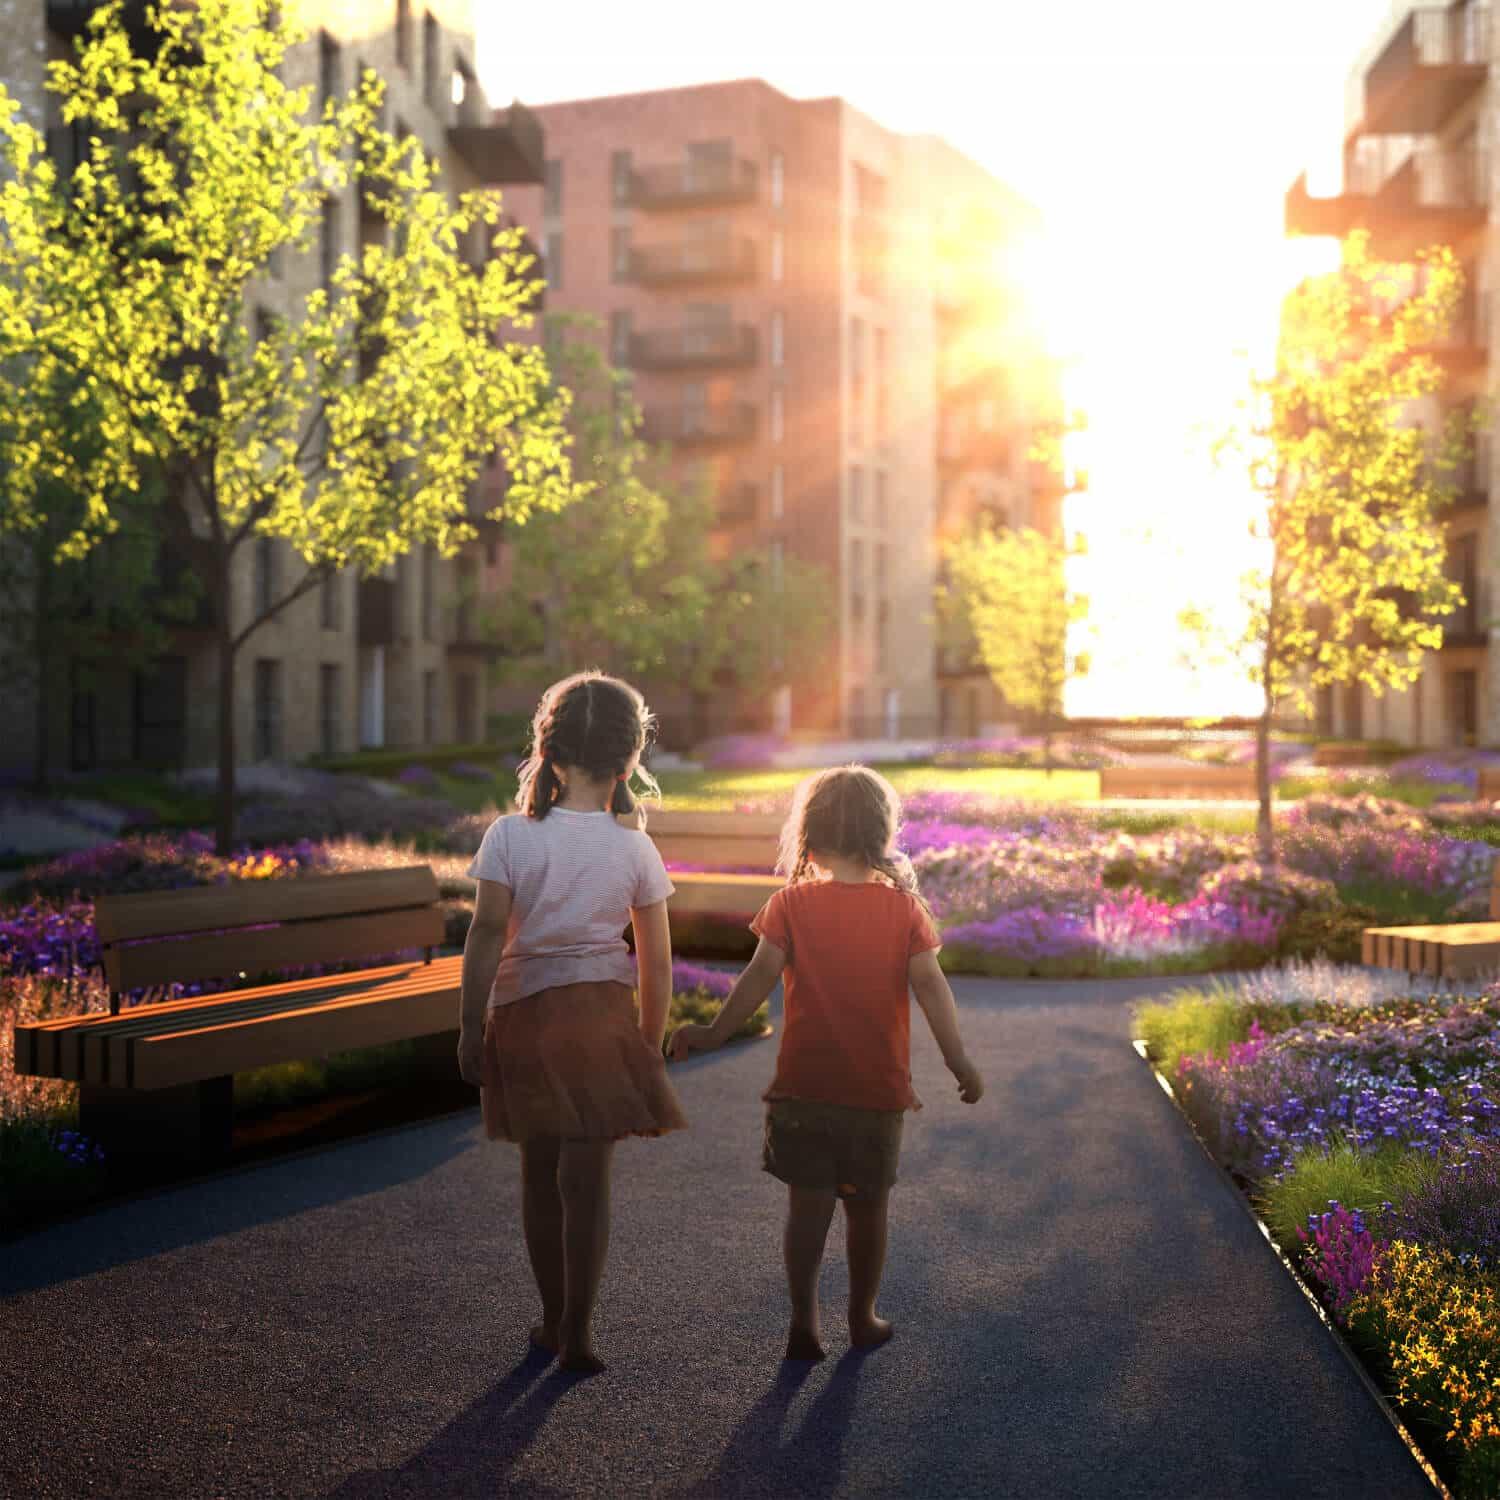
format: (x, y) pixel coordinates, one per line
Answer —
(188, 1124)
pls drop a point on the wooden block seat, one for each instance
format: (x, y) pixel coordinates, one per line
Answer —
(1445, 950)
(1188, 782)
(716, 838)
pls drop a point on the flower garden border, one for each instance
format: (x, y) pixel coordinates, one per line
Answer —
(1353, 1360)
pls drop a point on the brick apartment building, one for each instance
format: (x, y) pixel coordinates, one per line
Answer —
(779, 279)
(387, 660)
(1419, 164)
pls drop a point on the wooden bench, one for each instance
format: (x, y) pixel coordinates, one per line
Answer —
(716, 838)
(157, 1079)
(1183, 782)
(1446, 950)
(1488, 789)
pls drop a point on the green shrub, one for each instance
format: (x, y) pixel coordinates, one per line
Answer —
(1189, 1023)
(392, 761)
(1335, 935)
(696, 1008)
(1356, 1178)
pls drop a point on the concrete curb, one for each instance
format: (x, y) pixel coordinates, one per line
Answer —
(1340, 1343)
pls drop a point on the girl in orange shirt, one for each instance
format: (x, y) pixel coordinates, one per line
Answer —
(851, 937)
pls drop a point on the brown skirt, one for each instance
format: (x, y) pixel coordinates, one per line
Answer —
(570, 1063)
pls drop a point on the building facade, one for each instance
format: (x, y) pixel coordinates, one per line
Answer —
(356, 662)
(772, 273)
(1419, 169)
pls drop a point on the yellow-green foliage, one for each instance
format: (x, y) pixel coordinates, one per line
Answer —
(1357, 1179)
(1190, 1023)
(1439, 1325)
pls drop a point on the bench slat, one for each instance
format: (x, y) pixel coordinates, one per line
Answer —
(712, 824)
(1452, 950)
(717, 849)
(731, 895)
(212, 956)
(147, 914)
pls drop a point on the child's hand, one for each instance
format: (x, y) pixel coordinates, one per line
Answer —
(688, 1039)
(471, 1057)
(970, 1084)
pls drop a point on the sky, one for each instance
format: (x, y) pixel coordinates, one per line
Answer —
(1158, 142)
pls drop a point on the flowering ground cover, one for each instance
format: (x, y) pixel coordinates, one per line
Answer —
(1363, 1121)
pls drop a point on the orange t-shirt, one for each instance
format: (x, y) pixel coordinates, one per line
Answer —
(846, 1038)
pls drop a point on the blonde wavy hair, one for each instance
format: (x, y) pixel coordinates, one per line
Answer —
(851, 811)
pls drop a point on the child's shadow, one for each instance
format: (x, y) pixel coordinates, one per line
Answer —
(465, 1458)
(811, 1461)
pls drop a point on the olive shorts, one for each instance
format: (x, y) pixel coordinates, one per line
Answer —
(832, 1147)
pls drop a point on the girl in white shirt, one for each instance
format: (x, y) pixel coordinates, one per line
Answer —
(550, 1029)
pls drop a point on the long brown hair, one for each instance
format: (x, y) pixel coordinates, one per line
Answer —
(594, 723)
(848, 810)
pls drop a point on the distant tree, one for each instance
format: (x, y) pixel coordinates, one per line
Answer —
(1007, 591)
(624, 577)
(1350, 492)
(350, 431)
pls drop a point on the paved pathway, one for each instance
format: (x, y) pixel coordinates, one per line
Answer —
(1082, 1310)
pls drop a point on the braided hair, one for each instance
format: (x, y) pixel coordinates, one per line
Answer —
(593, 723)
(848, 810)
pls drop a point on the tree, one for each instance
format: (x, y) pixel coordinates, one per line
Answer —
(1349, 491)
(352, 430)
(1007, 591)
(624, 577)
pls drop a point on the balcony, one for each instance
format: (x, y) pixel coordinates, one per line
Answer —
(1433, 196)
(504, 145)
(694, 184)
(700, 426)
(694, 262)
(1436, 61)
(1468, 625)
(725, 347)
(377, 612)
(739, 505)
(1465, 346)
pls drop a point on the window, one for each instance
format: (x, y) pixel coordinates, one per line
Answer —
(552, 258)
(466, 708)
(431, 65)
(882, 620)
(882, 480)
(267, 708)
(552, 188)
(778, 491)
(778, 255)
(429, 708)
(778, 180)
(619, 336)
(265, 325)
(331, 602)
(880, 383)
(620, 178)
(328, 69)
(403, 35)
(619, 254)
(778, 566)
(857, 578)
(328, 707)
(778, 337)
(856, 493)
(265, 574)
(328, 242)
(694, 407)
(429, 594)
(160, 718)
(778, 415)
(880, 570)
(709, 165)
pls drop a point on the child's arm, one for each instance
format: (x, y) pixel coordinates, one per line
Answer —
(750, 990)
(935, 996)
(653, 960)
(482, 950)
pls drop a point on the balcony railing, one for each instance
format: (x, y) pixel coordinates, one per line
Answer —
(684, 348)
(687, 261)
(694, 184)
(377, 612)
(1436, 60)
(1421, 196)
(506, 145)
(703, 426)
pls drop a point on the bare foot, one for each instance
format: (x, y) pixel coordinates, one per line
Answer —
(543, 1337)
(581, 1361)
(801, 1344)
(869, 1333)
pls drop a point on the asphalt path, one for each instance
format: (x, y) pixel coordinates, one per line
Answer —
(1081, 1309)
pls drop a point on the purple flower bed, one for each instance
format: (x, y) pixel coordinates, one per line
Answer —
(740, 752)
(468, 770)
(1341, 1253)
(1459, 767)
(1456, 1209)
(687, 977)
(419, 776)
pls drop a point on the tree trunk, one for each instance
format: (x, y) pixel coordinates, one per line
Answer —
(1264, 838)
(41, 781)
(224, 813)
(1047, 730)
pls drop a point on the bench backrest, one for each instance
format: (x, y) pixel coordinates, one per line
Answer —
(210, 932)
(715, 838)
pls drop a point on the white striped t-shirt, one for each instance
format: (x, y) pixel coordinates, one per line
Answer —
(573, 877)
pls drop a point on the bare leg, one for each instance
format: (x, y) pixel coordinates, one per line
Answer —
(865, 1216)
(809, 1213)
(583, 1177)
(542, 1219)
